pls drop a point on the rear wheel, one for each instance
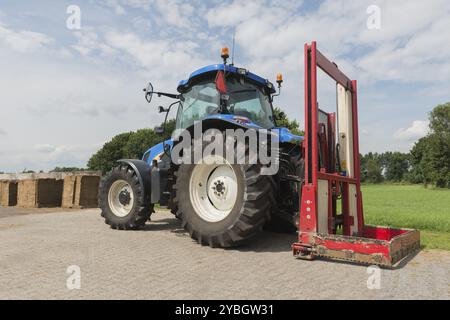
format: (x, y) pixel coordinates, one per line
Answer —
(222, 204)
(122, 200)
(285, 216)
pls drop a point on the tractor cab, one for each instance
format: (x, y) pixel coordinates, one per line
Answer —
(223, 93)
(226, 92)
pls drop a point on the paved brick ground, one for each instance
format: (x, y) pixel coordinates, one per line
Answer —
(161, 262)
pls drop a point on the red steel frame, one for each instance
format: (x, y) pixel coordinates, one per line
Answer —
(313, 59)
(371, 244)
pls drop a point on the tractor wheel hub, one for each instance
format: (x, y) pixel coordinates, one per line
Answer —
(214, 190)
(124, 197)
(121, 198)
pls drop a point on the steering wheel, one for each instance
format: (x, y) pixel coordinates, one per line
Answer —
(212, 109)
(243, 113)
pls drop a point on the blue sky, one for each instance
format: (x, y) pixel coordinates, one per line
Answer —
(66, 92)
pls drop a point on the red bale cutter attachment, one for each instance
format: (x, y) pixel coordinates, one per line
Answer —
(332, 181)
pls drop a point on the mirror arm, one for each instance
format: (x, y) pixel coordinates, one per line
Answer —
(149, 92)
(164, 126)
(169, 95)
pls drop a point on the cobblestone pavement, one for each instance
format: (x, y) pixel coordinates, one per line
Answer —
(162, 262)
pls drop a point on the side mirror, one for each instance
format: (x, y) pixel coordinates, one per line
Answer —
(161, 109)
(159, 130)
(148, 92)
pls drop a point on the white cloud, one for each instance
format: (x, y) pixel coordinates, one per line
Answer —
(24, 40)
(417, 130)
(2, 132)
(47, 157)
(119, 10)
(229, 15)
(166, 59)
(116, 5)
(183, 15)
(402, 50)
(174, 13)
(89, 43)
(67, 154)
(415, 60)
(44, 148)
(65, 88)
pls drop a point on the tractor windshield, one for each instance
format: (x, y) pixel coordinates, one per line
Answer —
(244, 99)
(249, 100)
(199, 101)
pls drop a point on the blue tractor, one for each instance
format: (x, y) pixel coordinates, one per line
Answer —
(221, 204)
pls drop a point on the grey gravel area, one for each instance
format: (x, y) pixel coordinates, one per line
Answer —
(162, 262)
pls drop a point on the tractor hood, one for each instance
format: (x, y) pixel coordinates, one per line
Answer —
(184, 84)
(284, 133)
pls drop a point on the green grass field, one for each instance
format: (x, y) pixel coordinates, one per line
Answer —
(410, 206)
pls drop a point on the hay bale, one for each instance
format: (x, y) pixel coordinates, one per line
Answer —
(68, 198)
(80, 191)
(26, 193)
(87, 191)
(39, 193)
(8, 193)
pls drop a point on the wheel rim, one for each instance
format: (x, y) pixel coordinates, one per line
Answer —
(213, 189)
(120, 198)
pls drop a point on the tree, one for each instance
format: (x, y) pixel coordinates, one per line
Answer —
(416, 153)
(440, 119)
(139, 142)
(430, 156)
(395, 164)
(105, 158)
(430, 161)
(128, 145)
(371, 168)
(283, 121)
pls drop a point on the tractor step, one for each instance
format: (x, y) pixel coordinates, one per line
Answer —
(378, 245)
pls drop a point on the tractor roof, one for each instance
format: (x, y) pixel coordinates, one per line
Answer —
(229, 68)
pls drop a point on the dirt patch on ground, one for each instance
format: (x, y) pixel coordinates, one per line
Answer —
(19, 211)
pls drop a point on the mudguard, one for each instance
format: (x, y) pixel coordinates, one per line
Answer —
(143, 172)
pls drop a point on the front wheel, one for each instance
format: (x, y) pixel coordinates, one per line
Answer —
(122, 200)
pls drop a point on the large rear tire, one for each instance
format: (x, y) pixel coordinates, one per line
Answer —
(122, 200)
(285, 216)
(223, 205)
